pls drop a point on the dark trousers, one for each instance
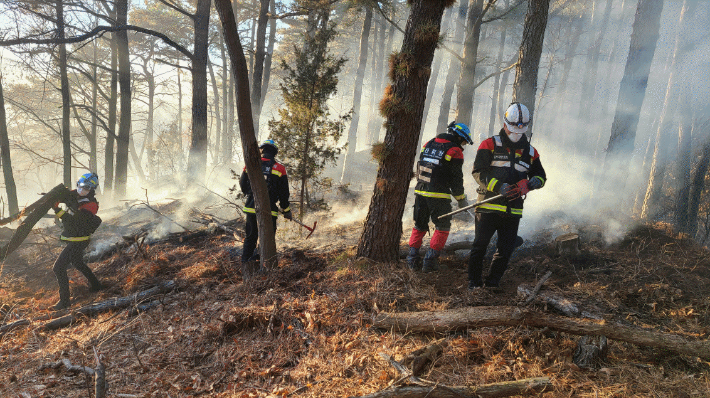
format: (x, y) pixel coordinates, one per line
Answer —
(486, 225)
(72, 255)
(251, 230)
(426, 208)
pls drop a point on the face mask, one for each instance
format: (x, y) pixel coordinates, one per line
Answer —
(83, 191)
(515, 137)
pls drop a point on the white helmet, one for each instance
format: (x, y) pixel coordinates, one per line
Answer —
(517, 117)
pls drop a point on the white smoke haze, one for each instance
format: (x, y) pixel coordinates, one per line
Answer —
(572, 149)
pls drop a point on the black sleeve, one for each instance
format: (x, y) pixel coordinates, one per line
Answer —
(244, 183)
(284, 193)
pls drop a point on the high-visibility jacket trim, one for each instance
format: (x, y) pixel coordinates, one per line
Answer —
(253, 211)
(74, 238)
(434, 194)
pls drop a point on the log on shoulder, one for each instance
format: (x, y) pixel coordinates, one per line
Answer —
(504, 389)
(474, 317)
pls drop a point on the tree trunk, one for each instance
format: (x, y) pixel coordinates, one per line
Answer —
(112, 104)
(497, 90)
(197, 161)
(226, 92)
(229, 129)
(260, 55)
(663, 135)
(10, 187)
(373, 129)
(252, 158)
(66, 130)
(631, 92)
(449, 20)
(93, 160)
(124, 82)
(403, 105)
(487, 316)
(269, 55)
(465, 92)
(698, 185)
(525, 85)
(218, 115)
(589, 86)
(148, 144)
(573, 33)
(346, 175)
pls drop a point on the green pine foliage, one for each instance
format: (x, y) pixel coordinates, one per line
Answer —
(305, 132)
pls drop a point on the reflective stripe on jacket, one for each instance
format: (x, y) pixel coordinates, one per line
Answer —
(439, 170)
(276, 183)
(499, 161)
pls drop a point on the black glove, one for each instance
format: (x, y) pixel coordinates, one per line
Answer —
(534, 183)
(56, 207)
(463, 203)
(288, 215)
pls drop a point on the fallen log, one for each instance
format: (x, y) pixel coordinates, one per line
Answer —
(473, 317)
(6, 328)
(562, 304)
(108, 305)
(504, 389)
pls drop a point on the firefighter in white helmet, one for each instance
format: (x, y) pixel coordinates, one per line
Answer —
(505, 164)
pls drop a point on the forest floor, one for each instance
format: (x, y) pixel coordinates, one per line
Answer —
(304, 329)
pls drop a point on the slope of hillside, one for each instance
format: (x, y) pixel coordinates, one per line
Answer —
(305, 328)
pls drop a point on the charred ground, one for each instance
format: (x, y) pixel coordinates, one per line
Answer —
(304, 328)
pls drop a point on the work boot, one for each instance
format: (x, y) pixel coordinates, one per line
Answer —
(413, 259)
(429, 263)
(473, 285)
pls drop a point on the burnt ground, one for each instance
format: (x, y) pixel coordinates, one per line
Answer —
(305, 328)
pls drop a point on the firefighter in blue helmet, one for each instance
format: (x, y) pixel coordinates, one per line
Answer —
(439, 176)
(79, 221)
(277, 185)
(505, 164)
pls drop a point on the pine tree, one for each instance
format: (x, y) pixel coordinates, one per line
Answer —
(306, 135)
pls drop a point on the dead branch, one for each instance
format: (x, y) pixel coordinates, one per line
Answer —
(537, 288)
(108, 305)
(99, 377)
(471, 317)
(6, 328)
(562, 304)
(68, 365)
(503, 389)
(419, 359)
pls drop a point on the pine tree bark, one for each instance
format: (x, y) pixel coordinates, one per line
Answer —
(252, 157)
(664, 134)
(124, 82)
(64, 88)
(10, 187)
(631, 92)
(453, 72)
(259, 56)
(112, 105)
(217, 114)
(269, 55)
(497, 92)
(346, 175)
(403, 106)
(525, 85)
(197, 161)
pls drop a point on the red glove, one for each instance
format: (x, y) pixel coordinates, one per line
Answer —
(523, 187)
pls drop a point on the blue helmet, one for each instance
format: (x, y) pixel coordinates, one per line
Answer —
(270, 143)
(461, 130)
(89, 181)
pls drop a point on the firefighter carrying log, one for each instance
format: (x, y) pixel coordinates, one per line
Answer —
(79, 221)
(439, 176)
(505, 164)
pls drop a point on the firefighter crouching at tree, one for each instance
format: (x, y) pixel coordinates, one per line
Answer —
(79, 221)
(439, 176)
(505, 164)
(277, 185)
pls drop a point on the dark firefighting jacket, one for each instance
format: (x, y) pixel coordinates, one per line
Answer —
(277, 185)
(498, 161)
(439, 170)
(78, 224)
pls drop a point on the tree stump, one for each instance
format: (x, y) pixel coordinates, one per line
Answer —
(590, 352)
(568, 245)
